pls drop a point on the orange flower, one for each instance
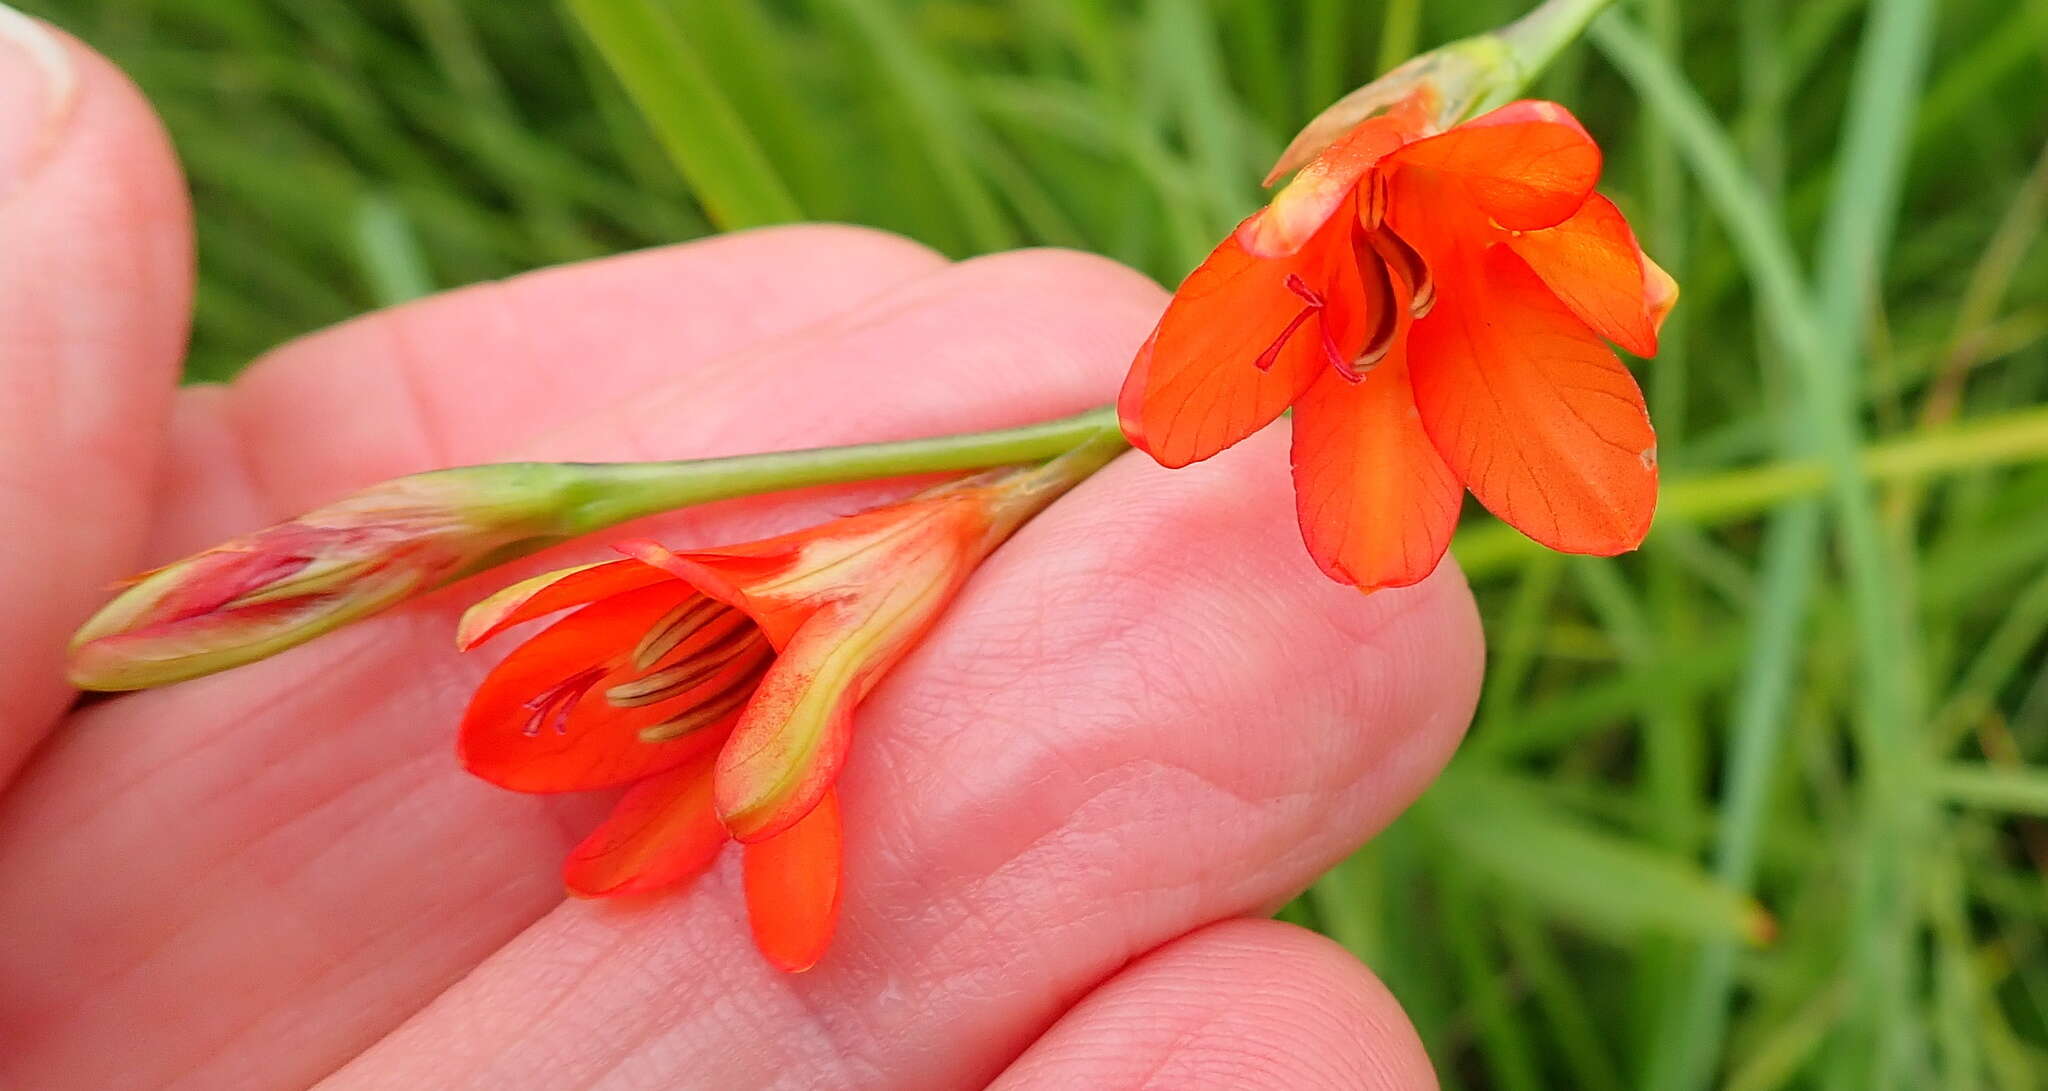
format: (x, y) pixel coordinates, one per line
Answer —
(1432, 304)
(721, 685)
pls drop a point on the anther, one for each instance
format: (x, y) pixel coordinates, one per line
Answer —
(1412, 270)
(674, 681)
(1380, 305)
(1374, 211)
(706, 713)
(674, 626)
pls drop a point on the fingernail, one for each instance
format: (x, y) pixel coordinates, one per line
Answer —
(36, 86)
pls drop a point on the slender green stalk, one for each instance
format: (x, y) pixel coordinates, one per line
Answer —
(612, 493)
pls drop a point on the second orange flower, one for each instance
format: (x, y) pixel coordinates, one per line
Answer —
(1433, 306)
(721, 685)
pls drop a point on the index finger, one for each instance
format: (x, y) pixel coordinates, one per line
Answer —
(95, 287)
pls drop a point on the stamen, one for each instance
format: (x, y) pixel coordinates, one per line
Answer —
(688, 616)
(1315, 306)
(708, 713)
(749, 645)
(551, 706)
(1380, 305)
(1373, 212)
(1412, 269)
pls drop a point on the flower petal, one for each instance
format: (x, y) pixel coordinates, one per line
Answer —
(1528, 165)
(540, 721)
(731, 575)
(1238, 344)
(1377, 504)
(787, 748)
(1535, 414)
(1660, 292)
(1597, 269)
(548, 592)
(792, 884)
(1296, 213)
(662, 832)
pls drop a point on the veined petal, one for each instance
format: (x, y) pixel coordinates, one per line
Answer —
(1534, 414)
(792, 884)
(662, 832)
(1528, 165)
(1596, 268)
(540, 722)
(743, 576)
(787, 749)
(551, 591)
(1241, 339)
(1377, 504)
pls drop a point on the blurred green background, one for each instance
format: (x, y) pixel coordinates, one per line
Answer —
(1815, 693)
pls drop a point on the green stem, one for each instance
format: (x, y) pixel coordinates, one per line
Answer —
(606, 494)
(1535, 40)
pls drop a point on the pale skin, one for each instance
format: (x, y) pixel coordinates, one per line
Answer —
(1146, 722)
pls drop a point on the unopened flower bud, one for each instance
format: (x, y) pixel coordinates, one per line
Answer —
(285, 584)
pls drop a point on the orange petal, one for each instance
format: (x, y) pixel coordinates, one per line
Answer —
(540, 721)
(1660, 292)
(662, 832)
(730, 575)
(1130, 398)
(1595, 266)
(1376, 502)
(1535, 414)
(787, 748)
(548, 592)
(1528, 165)
(1198, 386)
(792, 883)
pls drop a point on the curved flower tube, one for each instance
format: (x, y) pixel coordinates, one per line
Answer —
(722, 683)
(1432, 304)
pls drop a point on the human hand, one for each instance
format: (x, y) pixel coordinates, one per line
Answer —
(1146, 717)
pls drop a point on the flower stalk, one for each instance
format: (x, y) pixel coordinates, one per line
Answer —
(600, 495)
(1535, 40)
(281, 586)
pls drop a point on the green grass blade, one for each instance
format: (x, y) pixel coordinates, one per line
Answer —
(1593, 878)
(688, 112)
